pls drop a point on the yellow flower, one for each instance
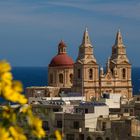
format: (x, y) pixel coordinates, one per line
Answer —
(58, 135)
(4, 134)
(14, 96)
(4, 66)
(11, 90)
(6, 115)
(6, 77)
(6, 112)
(6, 108)
(22, 99)
(36, 125)
(17, 133)
(25, 109)
(17, 86)
(8, 93)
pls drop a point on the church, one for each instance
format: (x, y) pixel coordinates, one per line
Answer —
(85, 76)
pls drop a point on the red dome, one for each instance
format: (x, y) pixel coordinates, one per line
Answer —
(61, 60)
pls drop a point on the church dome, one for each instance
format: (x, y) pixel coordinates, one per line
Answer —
(61, 59)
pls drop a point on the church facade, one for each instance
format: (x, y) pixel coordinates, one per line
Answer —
(85, 76)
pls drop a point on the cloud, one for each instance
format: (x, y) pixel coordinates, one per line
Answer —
(51, 11)
(29, 24)
(125, 9)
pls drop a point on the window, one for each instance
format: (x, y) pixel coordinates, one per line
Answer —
(76, 110)
(59, 124)
(70, 137)
(99, 138)
(61, 78)
(55, 110)
(76, 125)
(114, 50)
(86, 110)
(51, 78)
(71, 78)
(90, 74)
(64, 50)
(126, 110)
(45, 125)
(61, 50)
(120, 38)
(81, 136)
(123, 73)
(103, 126)
(88, 138)
(79, 74)
(112, 71)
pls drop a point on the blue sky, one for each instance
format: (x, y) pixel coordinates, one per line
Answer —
(30, 30)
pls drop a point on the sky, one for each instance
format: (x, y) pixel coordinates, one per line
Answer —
(30, 30)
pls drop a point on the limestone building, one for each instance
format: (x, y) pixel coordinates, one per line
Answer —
(84, 75)
(117, 78)
(86, 78)
(60, 70)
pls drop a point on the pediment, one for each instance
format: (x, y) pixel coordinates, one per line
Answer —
(120, 62)
(109, 76)
(79, 62)
(112, 61)
(92, 62)
(124, 62)
(89, 57)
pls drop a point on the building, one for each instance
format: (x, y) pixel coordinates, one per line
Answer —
(125, 128)
(117, 78)
(112, 100)
(75, 121)
(46, 91)
(60, 69)
(83, 75)
(86, 77)
(108, 118)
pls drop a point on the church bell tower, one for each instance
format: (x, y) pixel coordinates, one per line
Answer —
(119, 63)
(86, 78)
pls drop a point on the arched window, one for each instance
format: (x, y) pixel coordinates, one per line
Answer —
(123, 73)
(99, 138)
(51, 78)
(90, 74)
(61, 78)
(61, 49)
(88, 138)
(71, 77)
(103, 126)
(79, 73)
(112, 71)
(64, 50)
